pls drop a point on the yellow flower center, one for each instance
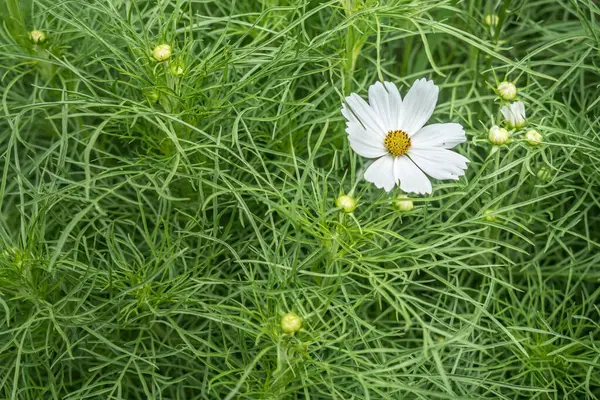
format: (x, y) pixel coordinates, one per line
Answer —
(397, 142)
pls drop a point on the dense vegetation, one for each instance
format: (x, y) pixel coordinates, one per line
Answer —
(157, 219)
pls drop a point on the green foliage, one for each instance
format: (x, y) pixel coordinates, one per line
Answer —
(154, 227)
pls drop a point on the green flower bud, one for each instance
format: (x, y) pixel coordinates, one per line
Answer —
(37, 37)
(291, 323)
(346, 203)
(533, 137)
(177, 68)
(544, 174)
(491, 20)
(162, 52)
(507, 90)
(498, 135)
(402, 204)
(488, 215)
(152, 96)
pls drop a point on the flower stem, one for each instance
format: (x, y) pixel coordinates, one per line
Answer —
(353, 47)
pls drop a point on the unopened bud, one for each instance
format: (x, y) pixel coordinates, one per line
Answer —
(291, 323)
(507, 90)
(402, 204)
(533, 137)
(544, 174)
(177, 69)
(37, 37)
(498, 135)
(152, 96)
(346, 203)
(489, 215)
(162, 52)
(491, 20)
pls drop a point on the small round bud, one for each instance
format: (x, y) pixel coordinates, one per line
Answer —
(152, 96)
(498, 135)
(346, 203)
(37, 37)
(402, 204)
(488, 215)
(291, 323)
(162, 52)
(544, 174)
(507, 90)
(533, 137)
(491, 20)
(177, 69)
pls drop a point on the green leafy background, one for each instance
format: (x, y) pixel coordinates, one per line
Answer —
(154, 229)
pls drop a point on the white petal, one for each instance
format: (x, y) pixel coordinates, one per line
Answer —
(418, 105)
(381, 173)
(412, 179)
(355, 128)
(508, 115)
(362, 141)
(366, 115)
(378, 100)
(439, 135)
(350, 117)
(439, 163)
(395, 101)
(385, 99)
(366, 148)
(520, 109)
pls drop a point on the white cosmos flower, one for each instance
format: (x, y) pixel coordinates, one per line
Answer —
(392, 131)
(514, 114)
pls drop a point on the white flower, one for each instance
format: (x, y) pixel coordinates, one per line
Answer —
(391, 130)
(514, 114)
(507, 90)
(498, 135)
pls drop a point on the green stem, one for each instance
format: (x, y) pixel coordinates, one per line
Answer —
(353, 46)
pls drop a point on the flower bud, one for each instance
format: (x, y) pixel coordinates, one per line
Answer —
(177, 69)
(402, 204)
(498, 135)
(162, 52)
(544, 174)
(533, 137)
(488, 215)
(507, 90)
(346, 203)
(291, 323)
(491, 20)
(514, 114)
(37, 37)
(152, 96)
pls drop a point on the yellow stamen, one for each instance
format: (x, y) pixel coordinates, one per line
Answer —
(397, 142)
